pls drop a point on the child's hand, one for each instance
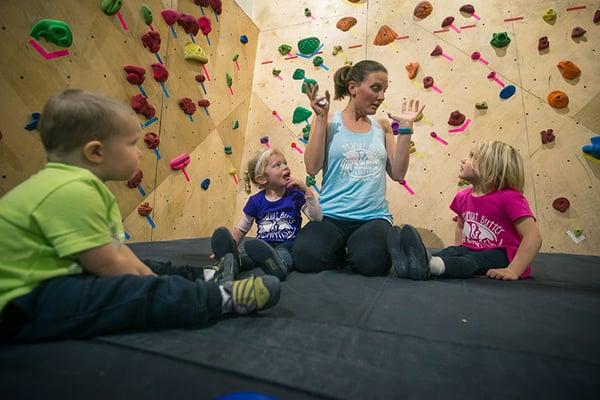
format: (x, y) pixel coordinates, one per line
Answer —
(320, 105)
(293, 182)
(505, 274)
(409, 114)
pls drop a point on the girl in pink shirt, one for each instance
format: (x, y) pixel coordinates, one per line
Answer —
(496, 233)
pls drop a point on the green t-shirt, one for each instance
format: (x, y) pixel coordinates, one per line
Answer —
(47, 220)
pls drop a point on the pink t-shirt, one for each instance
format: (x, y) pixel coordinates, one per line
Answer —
(489, 220)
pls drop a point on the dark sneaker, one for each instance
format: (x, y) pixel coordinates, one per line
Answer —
(397, 253)
(416, 254)
(226, 269)
(266, 257)
(253, 294)
(222, 242)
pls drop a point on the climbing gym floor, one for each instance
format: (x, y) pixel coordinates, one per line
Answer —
(338, 335)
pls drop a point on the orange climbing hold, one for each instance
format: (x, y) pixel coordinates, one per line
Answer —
(558, 99)
(568, 70)
(344, 24)
(423, 9)
(385, 36)
(412, 69)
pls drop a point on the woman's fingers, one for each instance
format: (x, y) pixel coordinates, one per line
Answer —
(403, 106)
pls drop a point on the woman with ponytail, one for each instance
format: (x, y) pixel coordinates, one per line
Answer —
(355, 151)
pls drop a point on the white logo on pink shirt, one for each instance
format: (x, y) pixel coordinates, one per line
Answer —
(480, 231)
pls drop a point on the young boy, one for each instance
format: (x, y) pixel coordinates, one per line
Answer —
(65, 272)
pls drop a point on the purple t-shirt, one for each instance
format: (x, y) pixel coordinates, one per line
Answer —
(489, 220)
(277, 221)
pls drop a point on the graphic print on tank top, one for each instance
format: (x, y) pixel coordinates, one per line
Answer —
(276, 227)
(480, 231)
(361, 161)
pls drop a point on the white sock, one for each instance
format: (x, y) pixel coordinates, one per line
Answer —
(437, 266)
(209, 274)
(226, 302)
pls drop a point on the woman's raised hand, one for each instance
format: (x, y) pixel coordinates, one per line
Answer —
(409, 114)
(320, 105)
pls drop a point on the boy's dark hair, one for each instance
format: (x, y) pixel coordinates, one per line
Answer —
(75, 117)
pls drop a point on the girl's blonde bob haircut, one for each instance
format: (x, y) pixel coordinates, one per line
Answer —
(257, 164)
(500, 166)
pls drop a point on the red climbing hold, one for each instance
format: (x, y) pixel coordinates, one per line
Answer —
(144, 209)
(456, 118)
(447, 22)
(203, 103)
(543, 43)
(437, 51)
(547, 136)
(189, 24)
(200, 78)
(205, 25)
(135, 75)
(561, 204)
(170, 16)
(427, 82)
(187, 105)
(141, 106)
(160, 72)
(135, 180)
(152, 140)
(151, 41)
(578, 32)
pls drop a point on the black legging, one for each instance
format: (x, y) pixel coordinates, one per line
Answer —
(326, 244)
(462, 262)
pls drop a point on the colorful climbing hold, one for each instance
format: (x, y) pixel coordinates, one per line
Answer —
(151, 40)
(170, 16)
(308, 45)
(135, 75)
(244, 39)
(456, 118)
(301, 114)
(543, 43)
(307, 12)
(500, 39)
(482, 105)
(276, 72)
(228, 79)
(146, 12)
(558, 99)
(385, 36)
(561, 204)
(507, 91)
(427, 82)
(547, 136)
(110, 7)
(141, 106)
(193, 51)
(298, 74)
(437, 51)
(344, 24)
(423, 9)
(412, 68)
(336, 50)
(284, 49)
(447, 21)
(33, 122)
(152, 140)
(578, 32)
(187, 105)
(235, 124)
(144, 209)
(205, 183)
(228, 150)
(317, 61)
(568, 70)
(549, 15)
(54, 31)
(160, 72)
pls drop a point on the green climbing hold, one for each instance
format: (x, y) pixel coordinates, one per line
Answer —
(284, 49)
(235, 124)
(229, 79)
(307, 12)
(500, 39)
(235, 57)
(54, 31)
(318, 60)
(301, 114)
(306, 132)
(577, 232)
(549, 15)
(110, 7)
(146, 14)
(310, 180)
(308, 45)
(276, 72)
(228, 150)
(307, 82)
(298, 74)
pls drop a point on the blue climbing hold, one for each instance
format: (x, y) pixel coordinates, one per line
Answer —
(33, 123)
(244, 39)
(205, 184)
(594, 148)
(507, 91)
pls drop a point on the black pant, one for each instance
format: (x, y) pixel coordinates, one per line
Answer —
(462, 262)
(79, 306)
(327, 244)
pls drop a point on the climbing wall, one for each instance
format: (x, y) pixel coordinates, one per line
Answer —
(102, 45)
(555, 169)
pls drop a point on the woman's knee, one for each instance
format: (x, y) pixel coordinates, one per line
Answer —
(315, 249)
(370, 262)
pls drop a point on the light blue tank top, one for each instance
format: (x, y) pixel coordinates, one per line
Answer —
(354, 175)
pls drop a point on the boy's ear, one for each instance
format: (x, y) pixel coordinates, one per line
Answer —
(93, 151)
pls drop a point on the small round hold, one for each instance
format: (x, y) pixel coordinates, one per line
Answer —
(561, 204)
(507, 91)
(244, 39)
(491, 75)
(205, 184)
(475, 55)
(402, 181)
(433, 134)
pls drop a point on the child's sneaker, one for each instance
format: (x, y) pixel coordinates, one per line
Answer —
(226, 269)
(397, 253)
(222, 242)
(266, 257)
(416, 254)
(252, 294)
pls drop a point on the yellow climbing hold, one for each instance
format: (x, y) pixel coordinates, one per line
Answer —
(193, 51)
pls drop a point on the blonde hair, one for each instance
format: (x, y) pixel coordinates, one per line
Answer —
(257, 164)
(74, 117)
(500, 166)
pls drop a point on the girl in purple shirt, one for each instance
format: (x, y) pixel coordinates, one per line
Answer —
(496, 233)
